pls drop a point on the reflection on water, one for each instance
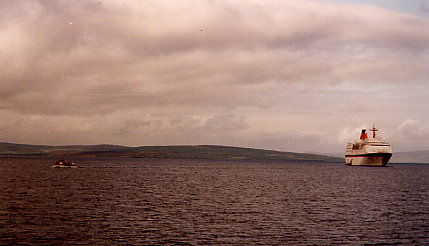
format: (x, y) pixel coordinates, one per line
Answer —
(190, 202)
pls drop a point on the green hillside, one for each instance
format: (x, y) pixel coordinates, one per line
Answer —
(170, 152)
(26, 149)
(211, 152)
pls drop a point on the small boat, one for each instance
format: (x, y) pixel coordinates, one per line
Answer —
(63, 163)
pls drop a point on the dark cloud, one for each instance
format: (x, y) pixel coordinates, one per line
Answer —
(220, 72)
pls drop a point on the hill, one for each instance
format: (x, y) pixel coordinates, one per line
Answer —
(170, 152)
(212, 152)
(26, 149)
(411, 157)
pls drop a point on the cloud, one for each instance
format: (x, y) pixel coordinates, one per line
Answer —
(203, 68)
(414, 129)
(425, 5)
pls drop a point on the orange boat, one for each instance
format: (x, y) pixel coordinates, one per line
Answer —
(64, 163)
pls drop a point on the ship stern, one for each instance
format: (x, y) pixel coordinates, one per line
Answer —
(374, 160)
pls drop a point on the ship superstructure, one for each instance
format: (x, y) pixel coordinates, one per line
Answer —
(368, 151)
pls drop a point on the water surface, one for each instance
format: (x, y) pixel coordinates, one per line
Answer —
(198, 202)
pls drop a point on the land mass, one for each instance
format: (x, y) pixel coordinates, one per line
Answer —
(411, 157)
(171, 152)
(421, 156)
(188, 152)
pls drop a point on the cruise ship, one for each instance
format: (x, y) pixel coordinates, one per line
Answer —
(368, 151)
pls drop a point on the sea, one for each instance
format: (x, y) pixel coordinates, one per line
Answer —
(114, 201)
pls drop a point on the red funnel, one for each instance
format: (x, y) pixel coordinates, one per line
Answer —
(363, 135)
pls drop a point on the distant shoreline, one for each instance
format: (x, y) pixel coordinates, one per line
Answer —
(72, 156)
(210, 152)
(4, 156)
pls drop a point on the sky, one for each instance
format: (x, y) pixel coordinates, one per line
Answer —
(303, 76)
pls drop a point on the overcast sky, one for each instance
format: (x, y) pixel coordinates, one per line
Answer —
(286, 75)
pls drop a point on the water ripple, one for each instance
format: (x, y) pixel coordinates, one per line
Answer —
(190, 202)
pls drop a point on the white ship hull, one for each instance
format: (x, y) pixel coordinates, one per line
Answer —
(366, 151)
(375, 160)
